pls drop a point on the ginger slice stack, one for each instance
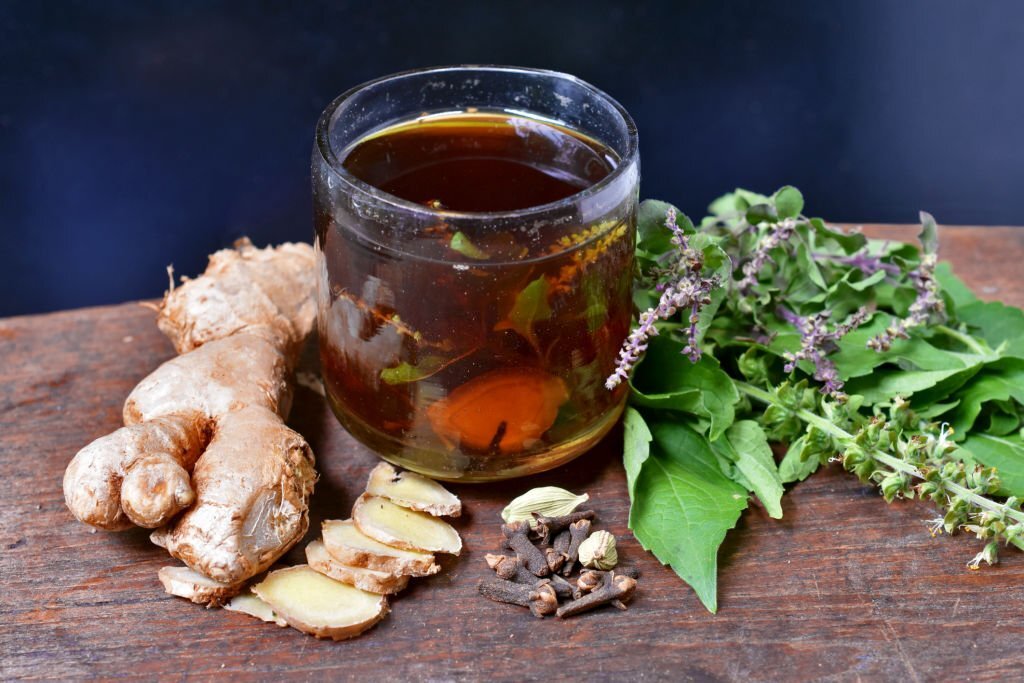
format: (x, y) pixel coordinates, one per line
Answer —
(342, 590)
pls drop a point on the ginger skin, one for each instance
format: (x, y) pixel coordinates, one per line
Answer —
(205, 431)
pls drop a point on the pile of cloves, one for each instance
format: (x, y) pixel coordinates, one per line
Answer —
(546, 552)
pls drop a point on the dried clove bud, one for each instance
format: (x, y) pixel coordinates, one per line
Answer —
(588, 581)
(541, 598)
(504, 566)
(547, 527)
(508, 592)
(529, 555)
(554, 558)
(578, 532)
(598, 551)
(615, 589)
(563, 589)
(544, 500)
(561, 542)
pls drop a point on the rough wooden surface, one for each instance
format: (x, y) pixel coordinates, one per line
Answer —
(843, 588)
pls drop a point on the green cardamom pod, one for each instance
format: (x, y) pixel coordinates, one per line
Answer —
(598, 551)
(549, 501)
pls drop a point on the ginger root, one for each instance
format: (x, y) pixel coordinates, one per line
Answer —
(413, 491)
(369, 580)
(191, 585)
(315, 604)
(205, 431)
(400, 527)
(347, 544)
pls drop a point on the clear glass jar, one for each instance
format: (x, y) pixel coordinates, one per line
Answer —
(464, 363)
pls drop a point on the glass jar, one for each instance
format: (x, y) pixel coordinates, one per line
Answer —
(471, 345)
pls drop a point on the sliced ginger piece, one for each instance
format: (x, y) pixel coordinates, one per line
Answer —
(369, 580)
(318, 605)
(348, 545)
(414, 491)
(251, 604)
(382, 520)
(191, 585)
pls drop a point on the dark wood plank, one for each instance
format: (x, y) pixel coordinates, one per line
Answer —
(844, 587)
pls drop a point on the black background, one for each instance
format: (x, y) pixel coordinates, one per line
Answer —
(134, 134)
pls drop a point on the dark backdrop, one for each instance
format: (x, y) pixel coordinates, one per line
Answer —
(134, 134)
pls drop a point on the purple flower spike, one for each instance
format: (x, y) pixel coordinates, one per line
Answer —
(817, 341)
(927, 306)
(683, 288)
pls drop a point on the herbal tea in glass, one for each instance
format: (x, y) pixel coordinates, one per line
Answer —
(475, 273)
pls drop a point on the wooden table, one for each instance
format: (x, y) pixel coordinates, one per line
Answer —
(844, 587)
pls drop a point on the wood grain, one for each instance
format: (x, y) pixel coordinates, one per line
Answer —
(843, 588)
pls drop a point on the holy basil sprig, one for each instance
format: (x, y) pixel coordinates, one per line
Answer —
(765, 326)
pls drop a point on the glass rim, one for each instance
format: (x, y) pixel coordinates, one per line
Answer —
(327, 153)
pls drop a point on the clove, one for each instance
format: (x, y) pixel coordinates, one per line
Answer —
(504, 566)
(614, 589)
(587, 581)
(578, 532)
(561, 542)
(563, 589)
(541, 599)
(554, 559)
(548, 527)
(530, 556)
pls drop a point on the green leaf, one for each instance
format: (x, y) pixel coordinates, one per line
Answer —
(683, 506)
(666, 379)
(636, 446)
(403, 372)
(929, 235)
(883, 384)
(653, 237)
(855, 360)
(788, 201)
(762, 213)
(461, 244)
(746, 445)
(825, 234)
(531, 305)
(956, 288)
(998, 382)
(794, 467)
(737, 201)
(1005, 453)
(997, 324)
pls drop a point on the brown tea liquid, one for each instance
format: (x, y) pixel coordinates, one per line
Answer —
(476, 351)
(479, 162)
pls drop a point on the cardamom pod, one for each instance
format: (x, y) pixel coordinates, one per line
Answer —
(598, 551)
(549, 501)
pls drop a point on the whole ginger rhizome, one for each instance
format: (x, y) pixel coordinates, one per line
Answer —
(206, 460)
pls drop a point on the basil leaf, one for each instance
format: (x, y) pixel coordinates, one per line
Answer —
(669, 381)
(762, 213)
(883, 384)
(636, 446)
(653, 237)
(998, 382)
(929, 235)
(997, 324)
(825, 235)
(746, 445)
(957, 289)
(683, 505)
(1005, 453)
(788, 202)
(461, 244)
(404, 372)
(794, 467)
(531, 305)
